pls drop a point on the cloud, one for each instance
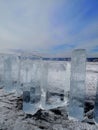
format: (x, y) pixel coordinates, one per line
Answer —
(52, 26)
(27, 21)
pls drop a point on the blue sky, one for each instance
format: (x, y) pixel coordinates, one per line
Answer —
(49, 26)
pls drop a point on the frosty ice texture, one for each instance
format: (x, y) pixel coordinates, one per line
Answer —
(26, 96)
(24, 73)
(30, 81)
(1, 70)
(96, 106)
(53, 97)
(8, 72)
(25, 70)
(35, 94)
(55, 84)
(32, 100)
(43, 82)
(77, 84)
(67, 82)
(11, 72)
(29, 69)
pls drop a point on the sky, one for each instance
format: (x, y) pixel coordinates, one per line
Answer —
(53, 27)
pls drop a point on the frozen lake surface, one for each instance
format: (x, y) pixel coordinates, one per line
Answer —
(12, 116)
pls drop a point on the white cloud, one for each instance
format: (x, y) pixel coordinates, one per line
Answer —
(28, 24)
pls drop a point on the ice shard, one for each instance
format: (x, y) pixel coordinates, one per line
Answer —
(54, 83)
(96, 106)
(77, 84)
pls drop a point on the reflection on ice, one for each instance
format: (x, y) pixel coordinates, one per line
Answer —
(54, 85)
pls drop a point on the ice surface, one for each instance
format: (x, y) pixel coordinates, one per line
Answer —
(77, 84)
(54, 82)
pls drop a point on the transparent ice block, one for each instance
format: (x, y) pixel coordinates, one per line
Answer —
(30, 81)
(67, 81)
(26, 96)
(43, 82)
(54, 83)
(1, 70)
(29, 67)
(32, 100)
(10, 72)
(77, 84)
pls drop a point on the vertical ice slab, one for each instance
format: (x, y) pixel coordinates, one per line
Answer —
(29, 70)
(15, 72)
(43, 82)
(11, 72)
(67, 81)
(96, 106)
(77, 84)
(8, 72)
(24, 73)
(18, 91)
(1, 70)
(54, 84)
(30, 81)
